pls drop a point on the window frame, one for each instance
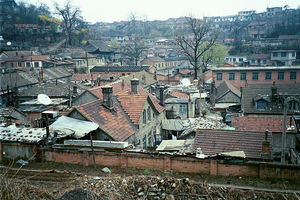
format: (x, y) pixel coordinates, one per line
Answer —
(231, 76)
(219, 76)
(243, 76)
(280, 76)
(267, 78)
(182, 109)
(261, 104)
(256, 75)
(293, 75)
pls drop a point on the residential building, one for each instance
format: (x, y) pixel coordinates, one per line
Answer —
(268, 100)
(259, 60)
(236, 59)
(130, 115)
(241, 76)
(257, 29)
(283, 57)
(273, 125)
(226, 93)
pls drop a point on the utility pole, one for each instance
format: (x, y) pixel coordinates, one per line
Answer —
(285, 108)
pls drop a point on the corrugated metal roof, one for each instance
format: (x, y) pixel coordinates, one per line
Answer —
(183, 146)
(23, 135)
(79, 128)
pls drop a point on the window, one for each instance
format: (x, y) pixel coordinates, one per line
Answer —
(293, 106)
(28, 64)
(280, 75)
(227, 59)
(36, 64)
(275, 54)
(268, 76)
(243, 76)
(11, 64)
(293, 76)
(231, 76)
(261, 104)
(264, 62)
(252, 61)
(150, 139)
(149, 113)
(283, 54)
(144, 117)
(3, 65)
(293, 54)
(182, 109)
(240, 59)
(19, 64)
(219, 76)
(255, 76)
(234, 59)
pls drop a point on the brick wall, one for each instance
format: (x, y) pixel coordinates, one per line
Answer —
(178, 164)
(238, 83)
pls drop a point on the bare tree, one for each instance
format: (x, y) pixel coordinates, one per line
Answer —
(71, 18)
(199, 36)
(134, 49)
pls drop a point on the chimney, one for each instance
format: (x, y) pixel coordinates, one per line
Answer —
(107, 96)
(134, 86)
(161, 95)
(40, 77)
(265, 149)
(74, 90)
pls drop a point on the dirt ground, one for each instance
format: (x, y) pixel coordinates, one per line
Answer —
(132, 183)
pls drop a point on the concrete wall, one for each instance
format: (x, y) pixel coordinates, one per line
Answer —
(14, 150)
(178, 164)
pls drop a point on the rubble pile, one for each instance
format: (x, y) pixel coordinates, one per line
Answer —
(149, 187)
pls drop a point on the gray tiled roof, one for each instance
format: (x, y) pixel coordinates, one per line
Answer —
(119, 68)
(50, 89)
(255, 92)
(225, 87)
(214, 142)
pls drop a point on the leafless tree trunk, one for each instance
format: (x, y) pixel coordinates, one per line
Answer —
(70, 16)
(134, 49)
(200, 34)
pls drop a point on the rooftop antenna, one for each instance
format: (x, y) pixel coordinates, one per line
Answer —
(45, 100)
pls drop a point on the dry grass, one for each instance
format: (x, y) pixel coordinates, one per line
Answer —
(12, 188)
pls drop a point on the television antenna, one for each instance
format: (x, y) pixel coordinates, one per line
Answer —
(44, 99)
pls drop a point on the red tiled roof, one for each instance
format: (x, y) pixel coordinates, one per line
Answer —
(179, 94)
(81, 77)
(213, 142)
(133, 104)
(37, 58)
(117, 87)
(186, 71)
(258, 123)
(112, 122)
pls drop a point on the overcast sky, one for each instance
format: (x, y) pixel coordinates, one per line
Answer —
(118, 10)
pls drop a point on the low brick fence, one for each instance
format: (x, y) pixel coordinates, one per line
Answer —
(174, 163)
